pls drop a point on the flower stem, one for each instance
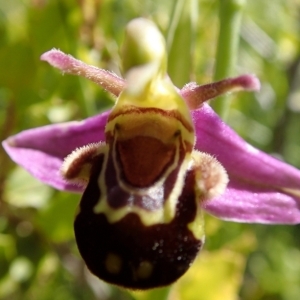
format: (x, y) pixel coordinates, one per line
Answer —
(181, 41)
(230, 13)
(174, 21)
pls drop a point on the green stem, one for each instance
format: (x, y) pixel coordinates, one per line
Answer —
(181, 41)
(230, 13)
(174, 21)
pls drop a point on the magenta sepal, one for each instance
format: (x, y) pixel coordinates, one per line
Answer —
(262, 189)
(41, 151)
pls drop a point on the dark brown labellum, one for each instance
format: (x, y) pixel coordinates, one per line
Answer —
(129, 253)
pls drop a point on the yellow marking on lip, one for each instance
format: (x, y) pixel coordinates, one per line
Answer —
(159, 113)
(161, 216)
(197, 225)
(149, 123)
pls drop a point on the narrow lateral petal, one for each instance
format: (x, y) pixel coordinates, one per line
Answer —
(259, 183)
(41, 151)
(68, 64)
(195, 95)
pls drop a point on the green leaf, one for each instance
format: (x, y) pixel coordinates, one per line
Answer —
(22, 190)
(56, 219)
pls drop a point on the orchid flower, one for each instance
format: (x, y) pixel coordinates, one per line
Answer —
(233, 180)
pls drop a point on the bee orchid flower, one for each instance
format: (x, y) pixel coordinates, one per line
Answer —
(159, 158)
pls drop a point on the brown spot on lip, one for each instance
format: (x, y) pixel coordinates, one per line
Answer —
(144, 271)
(113, 263)
(144, 159)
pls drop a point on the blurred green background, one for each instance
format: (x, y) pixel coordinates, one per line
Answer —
(38, 255)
